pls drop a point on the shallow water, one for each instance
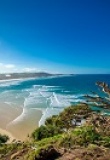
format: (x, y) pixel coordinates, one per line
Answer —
(50, 95)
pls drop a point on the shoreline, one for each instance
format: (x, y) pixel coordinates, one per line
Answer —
(18, 129)
(21, 131)
(23, 128)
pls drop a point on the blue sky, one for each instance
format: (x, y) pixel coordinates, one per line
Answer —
(60, 36)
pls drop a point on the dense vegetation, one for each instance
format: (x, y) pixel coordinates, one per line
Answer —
(62, 123)
(65, 137)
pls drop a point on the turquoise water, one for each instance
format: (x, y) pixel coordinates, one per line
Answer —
(50, 95)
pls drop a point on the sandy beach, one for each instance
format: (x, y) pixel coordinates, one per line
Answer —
(18, 130)
(23, 128)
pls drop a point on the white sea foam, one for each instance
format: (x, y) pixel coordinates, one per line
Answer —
(41, 98)
(48, 113)
(20, 118)
(46, 94)
(66, 91)
(10, 83)
(57, 104)
(47, 98)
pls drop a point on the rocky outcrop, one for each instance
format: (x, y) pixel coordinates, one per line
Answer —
(95, 99)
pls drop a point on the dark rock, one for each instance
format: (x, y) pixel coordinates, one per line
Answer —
(48, 153)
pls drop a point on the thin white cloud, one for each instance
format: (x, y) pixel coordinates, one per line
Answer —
(30, 70)
(6, 67)
(10, 66)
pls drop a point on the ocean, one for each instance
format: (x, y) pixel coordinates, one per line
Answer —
(50, 95)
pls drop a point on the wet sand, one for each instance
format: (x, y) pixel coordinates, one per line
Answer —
(18, 129)
(8, 113)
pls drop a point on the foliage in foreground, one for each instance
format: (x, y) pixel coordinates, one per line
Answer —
(62, 122)
(59, 138)
(69, 136)
(84, 138)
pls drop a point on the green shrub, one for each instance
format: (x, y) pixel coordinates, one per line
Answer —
(51, 120)
(3, 138)
(45, 132)
(81, 136)
(87, 133)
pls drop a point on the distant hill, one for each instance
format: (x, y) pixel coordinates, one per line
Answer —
(25, 75)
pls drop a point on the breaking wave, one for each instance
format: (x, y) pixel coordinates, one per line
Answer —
(47, 95)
